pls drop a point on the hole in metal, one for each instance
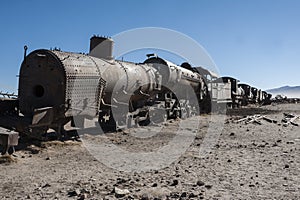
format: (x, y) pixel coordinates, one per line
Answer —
(38, 91)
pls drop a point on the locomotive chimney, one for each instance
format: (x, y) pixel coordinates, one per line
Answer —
(101, 47)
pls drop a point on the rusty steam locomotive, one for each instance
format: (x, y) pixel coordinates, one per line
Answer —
(56, 86)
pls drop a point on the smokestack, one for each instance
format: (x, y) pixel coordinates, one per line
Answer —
(101, 47)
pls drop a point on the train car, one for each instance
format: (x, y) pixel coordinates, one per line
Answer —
(248, 96)
(225, 90)
(256, 95)
(266, 98)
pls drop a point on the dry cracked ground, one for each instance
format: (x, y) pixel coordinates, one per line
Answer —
(204, 157)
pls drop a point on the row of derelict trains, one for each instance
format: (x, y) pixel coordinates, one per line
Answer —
(57, 87)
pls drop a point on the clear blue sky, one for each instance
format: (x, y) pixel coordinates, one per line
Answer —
(256, 41)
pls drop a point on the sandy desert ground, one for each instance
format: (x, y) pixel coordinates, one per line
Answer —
(244, 161)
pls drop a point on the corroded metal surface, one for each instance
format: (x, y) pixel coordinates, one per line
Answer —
(8, 139)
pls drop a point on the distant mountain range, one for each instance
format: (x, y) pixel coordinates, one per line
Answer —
(290, 92)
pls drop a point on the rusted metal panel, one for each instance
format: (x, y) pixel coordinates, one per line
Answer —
(43, 116)
(8, 139)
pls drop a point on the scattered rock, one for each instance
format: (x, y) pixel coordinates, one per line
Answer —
(175, 182)
(154, 185)
(126, 132)
(145, 197)
(120, 192)
(201, 196)
(83, 196)
(46, 185)
(193, 195)
(109, 198)
(275, 144)
(33, 149)
(154, 193)
(74, 193)
(174, 195)
(184, 194)
(121, 181)
(208, 186)
(200, 183)
(286, 166)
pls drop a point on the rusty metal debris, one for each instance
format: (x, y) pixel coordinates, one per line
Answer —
(256, 119)
(290, 119)
(8, 139)
(287, 120)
